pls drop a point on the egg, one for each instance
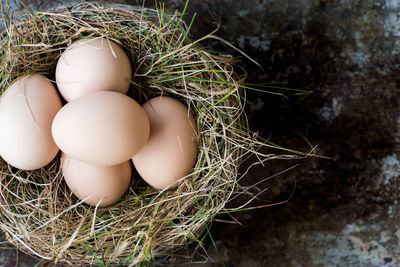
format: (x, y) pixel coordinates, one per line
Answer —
(27, 109)
(103, 128)
(93, 64)
(96, 184)
(171, 150)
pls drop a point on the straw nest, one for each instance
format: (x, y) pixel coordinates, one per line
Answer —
(38, 212)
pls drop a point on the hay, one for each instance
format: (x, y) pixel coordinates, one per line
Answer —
(38, 212)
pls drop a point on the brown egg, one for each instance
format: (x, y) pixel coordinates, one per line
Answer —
(96, 184)
(93, 64)
(27, 109)
(171, 150)
(102, 128)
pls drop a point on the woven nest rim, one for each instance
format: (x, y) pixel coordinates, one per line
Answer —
(39, 214)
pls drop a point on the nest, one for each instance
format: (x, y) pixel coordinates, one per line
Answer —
(43, 218)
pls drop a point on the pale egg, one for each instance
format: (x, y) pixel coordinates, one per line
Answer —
(171, 151)
(27, 109)
(96, 185)
(102, 128)
(93, 64)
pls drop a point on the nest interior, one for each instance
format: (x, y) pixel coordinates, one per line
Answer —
(38, 212)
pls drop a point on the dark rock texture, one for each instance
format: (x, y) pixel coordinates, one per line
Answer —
(344, 211)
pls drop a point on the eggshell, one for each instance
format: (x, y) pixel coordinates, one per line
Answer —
(102, 128)
(27, 109)
(93, 64)
(97, 183)
(171, 150)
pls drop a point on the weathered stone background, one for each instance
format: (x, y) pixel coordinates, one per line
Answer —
(345, 211)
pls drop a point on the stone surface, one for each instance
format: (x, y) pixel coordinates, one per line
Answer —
(344, 211)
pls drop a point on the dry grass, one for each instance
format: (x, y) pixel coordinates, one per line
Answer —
(38, 212)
